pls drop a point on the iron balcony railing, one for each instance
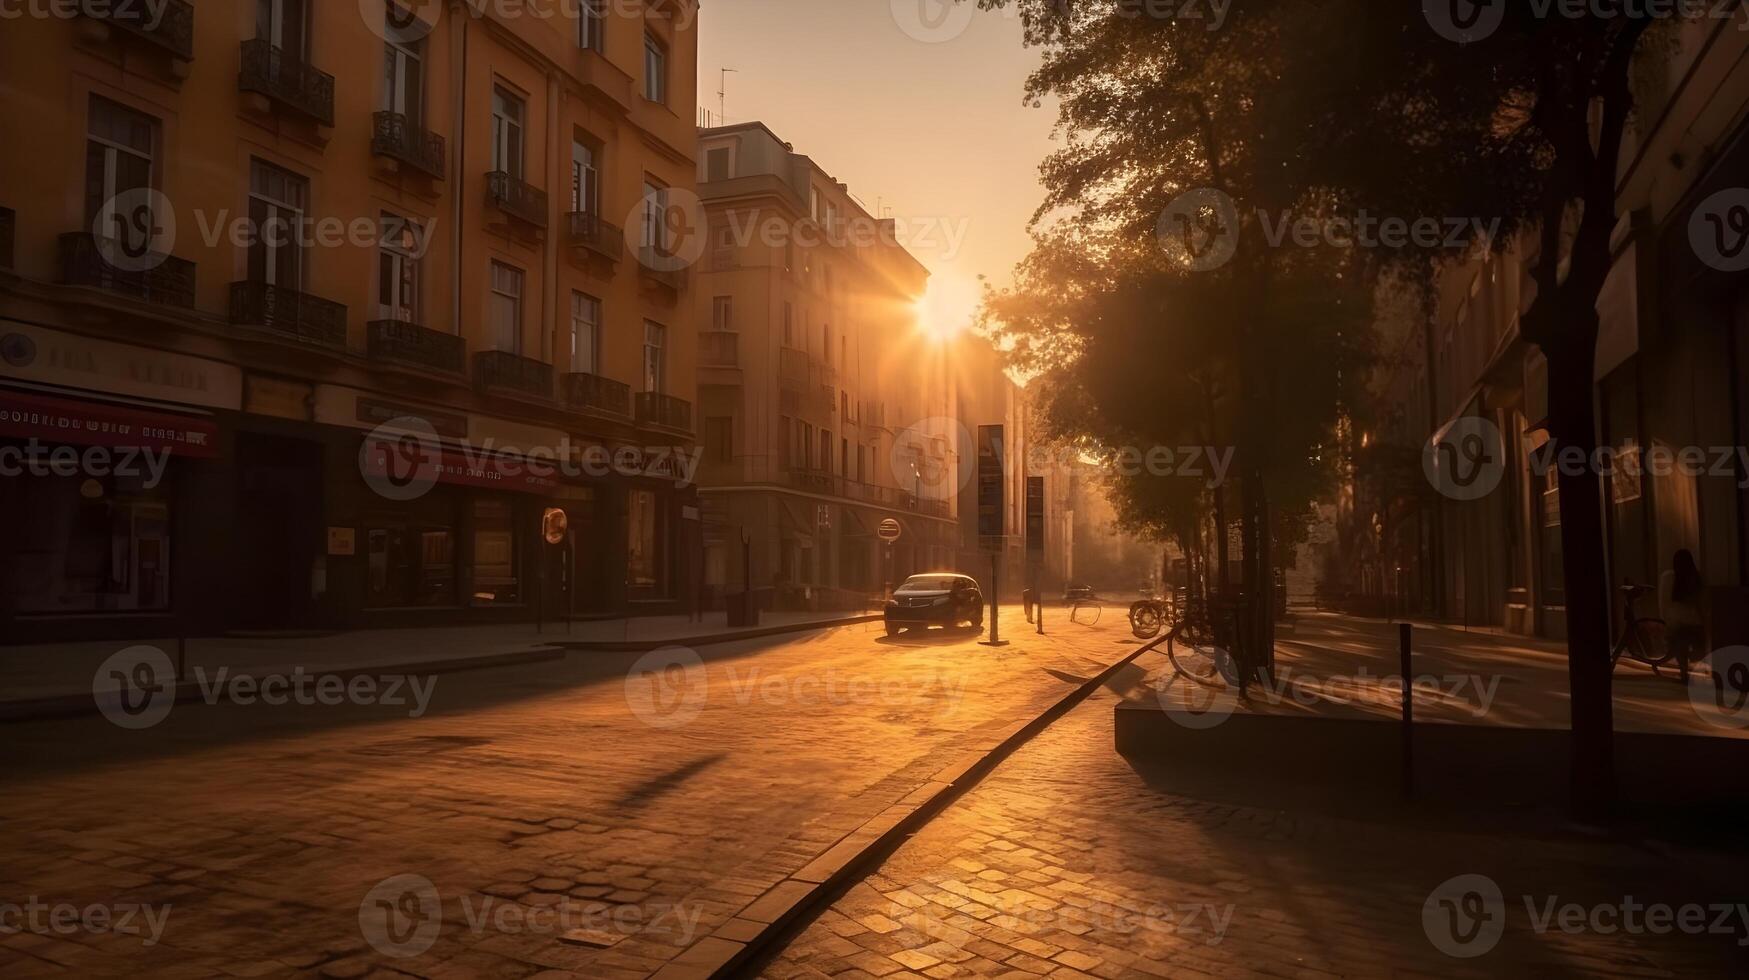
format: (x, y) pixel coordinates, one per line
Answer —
(85, 261)
(168, 24)
(399, 138)
(8, 228)
(588, 231)
(498, 370)
(719, 348)
(655, 408)
(596, 393)
(410, 345)
(298, 316)
(515, 197)
(288, 80)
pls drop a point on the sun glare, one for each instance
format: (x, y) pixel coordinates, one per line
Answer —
(947, 309)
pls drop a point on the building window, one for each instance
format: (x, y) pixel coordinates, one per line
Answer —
(719, 163)
(410, 564)
(398, 269)
(655, 69)
(644, 541)
(495, 578)
(94, 544)
(506, 308)
(278, 206)
(585, 333)
(722, 312)
(719, 439)
(283, 24)
(118, 159)
(655, 366)
(656, 235)
(591, 25)
(403, 73)
(508, 112)
(585, 179)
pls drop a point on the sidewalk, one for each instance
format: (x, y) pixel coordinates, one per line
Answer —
(1338, 666)
(1073, 862)
(38, 672)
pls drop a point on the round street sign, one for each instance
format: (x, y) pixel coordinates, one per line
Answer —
(553, 525)
(889, 530)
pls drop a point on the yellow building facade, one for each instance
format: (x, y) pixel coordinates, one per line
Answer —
(261, 238)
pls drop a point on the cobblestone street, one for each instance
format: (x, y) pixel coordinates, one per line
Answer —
(541, 801)
(1070, 861)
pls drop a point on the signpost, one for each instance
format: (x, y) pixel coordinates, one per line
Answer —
(554, 525)
(990, 523)
(889, 531)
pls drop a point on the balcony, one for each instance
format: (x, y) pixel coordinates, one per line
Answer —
(588, 232)
(604, 80)
(155, 278)
(399, 344)
(299, 317)
(719, 348)
(8, 228)
(516, 198)
(594, 393)
(287, 81)
(172, 32)
(655, 408)
(396, 137)
(662, 268)
(501, 372)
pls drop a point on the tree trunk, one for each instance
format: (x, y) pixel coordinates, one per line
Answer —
(1220, 576)
(1572, 429)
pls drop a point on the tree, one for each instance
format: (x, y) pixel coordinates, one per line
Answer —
(1515, 120)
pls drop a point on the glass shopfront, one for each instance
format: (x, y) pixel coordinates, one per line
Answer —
(91, 544)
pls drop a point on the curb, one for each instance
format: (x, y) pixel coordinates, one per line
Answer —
(747, 940)
(707, 639)
(75, 705)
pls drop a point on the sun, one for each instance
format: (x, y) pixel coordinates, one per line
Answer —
(947, 309)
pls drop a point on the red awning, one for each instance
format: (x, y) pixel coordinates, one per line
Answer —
(497, 471)
(30, 415)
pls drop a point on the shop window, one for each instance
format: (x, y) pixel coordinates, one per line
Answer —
(495, 578)
(410, 565)
(90, 545)
(644, 542)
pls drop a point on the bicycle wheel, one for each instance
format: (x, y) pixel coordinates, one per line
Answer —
(1145, 620)
(1649, 643)
(1203, 663)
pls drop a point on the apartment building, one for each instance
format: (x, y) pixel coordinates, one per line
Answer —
(261, 237)
(1033, 540)
(1672, 376)
(824, 408)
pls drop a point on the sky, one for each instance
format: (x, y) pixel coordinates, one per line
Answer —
(915, 104)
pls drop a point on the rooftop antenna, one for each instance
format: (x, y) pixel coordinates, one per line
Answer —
(723, 95)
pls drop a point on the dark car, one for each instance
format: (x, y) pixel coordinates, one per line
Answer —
(935, 599)
(1078, 593)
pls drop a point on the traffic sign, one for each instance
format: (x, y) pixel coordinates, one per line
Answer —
(889, 530)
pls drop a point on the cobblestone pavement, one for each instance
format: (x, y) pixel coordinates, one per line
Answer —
(553, 808)
(1070, 861)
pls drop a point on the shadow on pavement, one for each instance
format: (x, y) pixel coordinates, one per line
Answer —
(50, 747)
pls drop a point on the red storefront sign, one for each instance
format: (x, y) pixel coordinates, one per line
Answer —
(412, 460)
(33, 416)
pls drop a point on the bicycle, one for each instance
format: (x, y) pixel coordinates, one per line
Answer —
(1644, 638)
(1148, 615)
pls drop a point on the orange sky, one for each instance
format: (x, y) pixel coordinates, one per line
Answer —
(931, 132)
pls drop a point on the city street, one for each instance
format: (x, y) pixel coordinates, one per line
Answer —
(538, 800)
(1071, 861)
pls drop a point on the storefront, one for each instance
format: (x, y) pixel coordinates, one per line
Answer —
(94, 487)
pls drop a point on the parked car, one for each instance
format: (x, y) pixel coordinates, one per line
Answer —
(1078, 593)
(935, 599)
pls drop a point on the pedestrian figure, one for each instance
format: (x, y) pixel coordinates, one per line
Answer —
(1027, 598)
(1679, 595)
